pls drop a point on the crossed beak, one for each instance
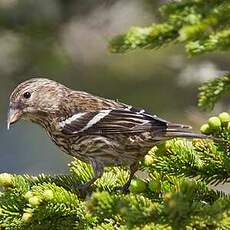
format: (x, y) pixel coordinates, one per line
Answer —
(14, 115)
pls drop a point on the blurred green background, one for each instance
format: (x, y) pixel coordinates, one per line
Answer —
(66, 40)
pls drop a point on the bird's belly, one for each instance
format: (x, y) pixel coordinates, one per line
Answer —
(110, 150)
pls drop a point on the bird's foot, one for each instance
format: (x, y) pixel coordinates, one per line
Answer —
(124, 189)
(83, 189)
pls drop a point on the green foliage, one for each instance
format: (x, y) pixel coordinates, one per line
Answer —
(203, 26)
(32, 203)
(166, 198)
(212, 91)
(149, 37)
(208, 160)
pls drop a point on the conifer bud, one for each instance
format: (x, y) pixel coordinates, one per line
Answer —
(28, 195)
(6, 179)
(34, 201)
(205, 129)
(26, 217)
(137, 186)
(148, 160)
(48, 194)
(224, 118)
(214, 123)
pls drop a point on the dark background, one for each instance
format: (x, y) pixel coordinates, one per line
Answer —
(67, 41)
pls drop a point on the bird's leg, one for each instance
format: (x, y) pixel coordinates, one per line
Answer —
(98, 170)
(133, 168)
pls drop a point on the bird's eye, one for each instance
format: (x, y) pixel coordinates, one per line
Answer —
(27, 95)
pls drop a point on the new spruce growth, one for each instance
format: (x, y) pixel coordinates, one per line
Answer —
(165, 197)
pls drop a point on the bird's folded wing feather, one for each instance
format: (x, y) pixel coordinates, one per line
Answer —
(112, 121)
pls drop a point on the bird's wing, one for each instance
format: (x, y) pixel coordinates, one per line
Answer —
(112, 121)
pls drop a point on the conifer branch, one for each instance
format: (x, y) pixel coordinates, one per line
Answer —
(203, 26)
(212, 91)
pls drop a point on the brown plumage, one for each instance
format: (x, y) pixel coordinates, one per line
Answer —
(99, 131)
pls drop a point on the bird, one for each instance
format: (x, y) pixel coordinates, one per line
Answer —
(95, 130)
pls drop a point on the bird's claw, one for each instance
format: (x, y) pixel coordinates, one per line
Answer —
(124, 189)
(83, 189)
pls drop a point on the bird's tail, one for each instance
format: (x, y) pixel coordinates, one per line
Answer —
(178, 130)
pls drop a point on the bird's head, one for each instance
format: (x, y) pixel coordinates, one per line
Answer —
(34, 99)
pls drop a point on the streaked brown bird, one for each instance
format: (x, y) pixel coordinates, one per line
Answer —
(99, 131)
